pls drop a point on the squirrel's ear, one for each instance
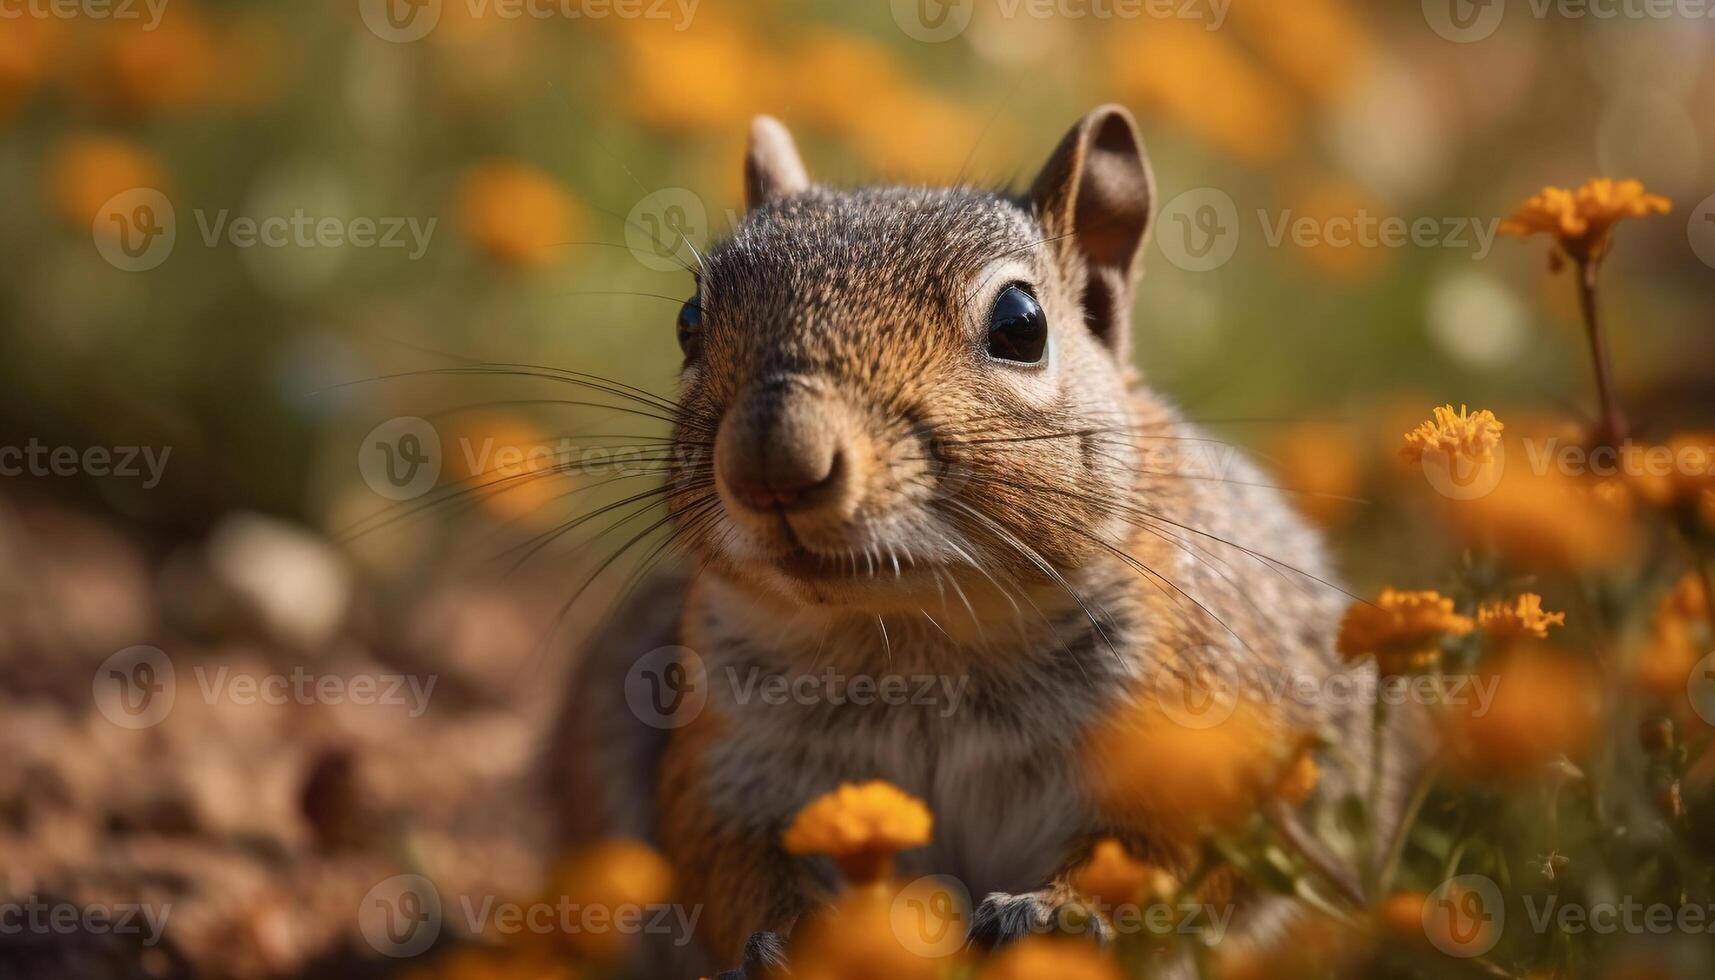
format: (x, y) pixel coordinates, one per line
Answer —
(1094, 198)
(772, 168)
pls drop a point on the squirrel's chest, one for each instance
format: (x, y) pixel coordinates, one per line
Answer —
(1003, 776)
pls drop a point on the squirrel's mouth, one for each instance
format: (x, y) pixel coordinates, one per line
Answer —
(878, 564)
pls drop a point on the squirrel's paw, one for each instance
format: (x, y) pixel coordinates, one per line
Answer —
(1002, 918)
(764, 957)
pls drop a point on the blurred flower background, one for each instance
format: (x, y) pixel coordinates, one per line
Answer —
(243, 236)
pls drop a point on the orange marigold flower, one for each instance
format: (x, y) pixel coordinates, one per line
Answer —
(172, 66)
(1541, 706)
(1323, 465)
(1517, 617)
(1182, 780)
(89, 171)
(1470, 437)
(1550, 519)
(612, 874)
(1688, 598)
(861, 826)
(1402, 913)
(1112, 876)
(1298, 781)
(1445, 920)
(515, 213)
(1669, 652)
(1402, 629)
(1038, 957)
(880, 932)
(1581, 219)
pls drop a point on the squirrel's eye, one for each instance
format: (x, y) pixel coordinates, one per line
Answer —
(690, 326)
(1018, 330)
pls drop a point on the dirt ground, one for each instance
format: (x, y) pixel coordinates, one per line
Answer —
(322, 738)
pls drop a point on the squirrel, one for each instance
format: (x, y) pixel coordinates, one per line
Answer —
(911, 442)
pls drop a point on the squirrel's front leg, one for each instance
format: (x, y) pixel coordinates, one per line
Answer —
(730, 866)
(1002, 918)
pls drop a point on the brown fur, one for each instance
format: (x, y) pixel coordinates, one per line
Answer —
(1010, 525)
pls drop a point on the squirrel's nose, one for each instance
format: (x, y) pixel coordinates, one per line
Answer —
(782, 448)
(794, 482)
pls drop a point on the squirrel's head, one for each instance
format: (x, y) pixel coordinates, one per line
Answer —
(888, 390)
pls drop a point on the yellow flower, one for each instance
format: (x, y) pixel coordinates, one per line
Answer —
(1687, 599)
(614, 876)
(711, 79)
(1040, 958)
(1299, 780)
(1204, 82)
(513, 468)
(1462, 436)
(1673, 645)
(1581, 219)
(1675, 475)
(173, 66)
(1112, 876)
(882, 932)
(1181, 781)
(516, 214)
(1543, 705)
(861, 826)
(1448, 921)
(1402, 629)
(1550, 519)
(27, 48)
(1322, 465)
(1669, 653)
(88, 171)
(1521, 616)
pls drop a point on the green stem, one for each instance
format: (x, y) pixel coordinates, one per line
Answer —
(1396, 848)
(1613, 426)
(1378, 773)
